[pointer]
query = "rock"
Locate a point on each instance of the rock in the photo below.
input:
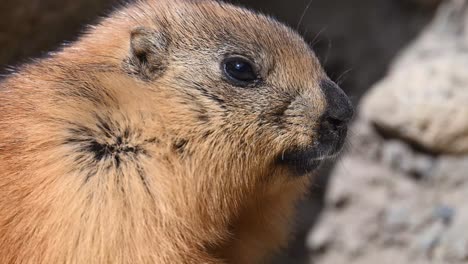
(449, 171)
(424, 97)
(423, 166)
(427, 242)
(383, 212)
(400, 157)
(366, 141)
(444, 213)
(397, 155)
(397, 218)
(454, 245)
(455, 248)
(322, 239)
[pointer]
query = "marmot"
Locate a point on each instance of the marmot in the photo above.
(172, 132)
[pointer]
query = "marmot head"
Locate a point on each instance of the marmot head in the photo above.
(238, 97)
(244, 85)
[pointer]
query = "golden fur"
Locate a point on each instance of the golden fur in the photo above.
(105, 160)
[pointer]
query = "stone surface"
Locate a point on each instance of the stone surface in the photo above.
(424, 97)
(373, 210)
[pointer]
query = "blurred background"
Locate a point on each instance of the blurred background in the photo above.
(397, 195)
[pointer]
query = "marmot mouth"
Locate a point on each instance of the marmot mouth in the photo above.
(304, 160)
(301, 161)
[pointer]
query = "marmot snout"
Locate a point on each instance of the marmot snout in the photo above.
(172, 132)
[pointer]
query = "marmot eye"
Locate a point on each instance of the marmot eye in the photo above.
(239, 71)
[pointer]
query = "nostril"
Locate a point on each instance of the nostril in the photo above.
(339, 117)
(335, 123)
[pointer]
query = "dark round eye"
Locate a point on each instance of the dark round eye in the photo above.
(239, 70)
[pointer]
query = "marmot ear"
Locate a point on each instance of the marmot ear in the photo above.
(148, 53)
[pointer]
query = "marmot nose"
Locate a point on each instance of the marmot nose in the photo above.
(334, 123)
(339, 110)
(338, 116)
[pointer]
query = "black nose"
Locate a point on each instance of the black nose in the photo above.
(333, 123)
(339, 108)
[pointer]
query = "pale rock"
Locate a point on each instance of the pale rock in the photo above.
(424, 98)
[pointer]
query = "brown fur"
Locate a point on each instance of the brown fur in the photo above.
(104, 160)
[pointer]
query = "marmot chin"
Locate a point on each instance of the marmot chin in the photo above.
(172, 132)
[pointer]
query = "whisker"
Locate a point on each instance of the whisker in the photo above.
(342, 76)
(315, 39)
(303, 14)
(328, 51)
